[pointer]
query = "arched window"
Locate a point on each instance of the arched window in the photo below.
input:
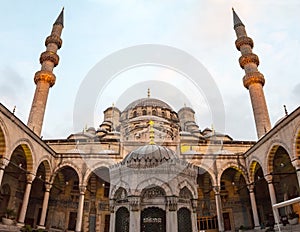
(154, 112)
(134, 113)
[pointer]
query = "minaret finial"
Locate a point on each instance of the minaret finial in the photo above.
(45, 78)
(151, 133)
(285, 110)
(253, 79)
(148, 93)
(60, 18)
(236, 20)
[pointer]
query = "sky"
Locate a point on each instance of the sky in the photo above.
(203, 29)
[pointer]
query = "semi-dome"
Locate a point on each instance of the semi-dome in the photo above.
(144, 102)
(149, 156)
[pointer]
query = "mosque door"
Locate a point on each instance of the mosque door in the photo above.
(122, 220)
(184, 220)
(153, 220)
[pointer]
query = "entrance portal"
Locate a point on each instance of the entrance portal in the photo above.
(153, 219)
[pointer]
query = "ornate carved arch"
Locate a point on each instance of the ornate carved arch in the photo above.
(190, 187)
(120, 184)
(151, 182)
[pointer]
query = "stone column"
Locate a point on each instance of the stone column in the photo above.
(30, 178)
(171, 214)
(272, 193)
(112, 215)
(296, 164)
(135, 213)
(82, 189)
(219, 208)
(253, 206)
(45, 206)
(194, 215)
(3, 163)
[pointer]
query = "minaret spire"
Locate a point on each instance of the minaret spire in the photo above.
(44, 79)
(60, 18)
(236, 20)
(253, 80)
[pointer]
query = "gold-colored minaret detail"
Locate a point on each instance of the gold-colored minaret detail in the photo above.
(44, 79)
(151, 133)
(253, 80)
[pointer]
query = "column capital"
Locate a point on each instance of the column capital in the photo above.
(216, 189)
(48, 187)
(296, 164)
(194, 204)
(30, 178)
(82, 189)
(250, 187)
(112, 205)
(134, 202)
(269, 178)
(3, 162)
(171, 202)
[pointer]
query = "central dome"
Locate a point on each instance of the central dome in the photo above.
(144, 102)
(149, 156)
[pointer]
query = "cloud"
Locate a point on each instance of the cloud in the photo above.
(296, 92)
(11, 83)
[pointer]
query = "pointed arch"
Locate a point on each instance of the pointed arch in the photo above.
(206, 169)
(154, 181)
(66, 165)
(271, 154)
(297, 144)
(27, 148)
(121, 193)
(3, 139)
(94, 167)
(48, 169)
(120, 184)
(254, 165)
(239, 169)
(189, 186)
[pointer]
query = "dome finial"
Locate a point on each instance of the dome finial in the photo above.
(151, 133)
(148, 93)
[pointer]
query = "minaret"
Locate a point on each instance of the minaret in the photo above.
(253, 80)
(44, 79)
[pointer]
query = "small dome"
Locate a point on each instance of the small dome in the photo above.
(143, 102)
(149, 156)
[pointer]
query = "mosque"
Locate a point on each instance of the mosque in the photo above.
(147, 167)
